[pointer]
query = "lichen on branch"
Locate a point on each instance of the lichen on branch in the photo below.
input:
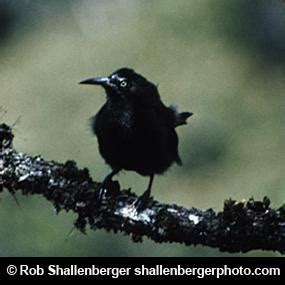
(240, 227)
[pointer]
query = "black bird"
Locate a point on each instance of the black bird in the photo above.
(135, 130)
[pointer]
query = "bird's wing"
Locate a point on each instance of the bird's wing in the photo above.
(168, 117)
(165, 114)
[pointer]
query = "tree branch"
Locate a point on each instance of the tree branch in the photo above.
(240, 227)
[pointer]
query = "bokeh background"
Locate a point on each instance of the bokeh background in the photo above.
(224, 60)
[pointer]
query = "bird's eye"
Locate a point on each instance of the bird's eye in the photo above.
(123, 83)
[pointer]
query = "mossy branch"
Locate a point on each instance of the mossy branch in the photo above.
(240, 227)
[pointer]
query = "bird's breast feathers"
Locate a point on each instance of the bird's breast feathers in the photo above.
(114, 119)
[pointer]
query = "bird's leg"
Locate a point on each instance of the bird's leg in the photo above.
(109, 177)
(142, 201)
(107, 180)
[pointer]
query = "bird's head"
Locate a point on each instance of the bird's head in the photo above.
(123, 83)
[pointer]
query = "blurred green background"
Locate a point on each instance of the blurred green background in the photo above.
(223, 60)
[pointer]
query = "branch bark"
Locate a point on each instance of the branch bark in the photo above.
(240, 227)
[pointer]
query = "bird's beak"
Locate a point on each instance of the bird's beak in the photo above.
(103, 81)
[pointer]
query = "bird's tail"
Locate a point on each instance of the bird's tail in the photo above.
(181, 118)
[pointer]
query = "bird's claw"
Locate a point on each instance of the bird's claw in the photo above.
(108, 187)
(142, 201)
(101, 193)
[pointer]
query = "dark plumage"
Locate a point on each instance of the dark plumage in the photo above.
(135, 130)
